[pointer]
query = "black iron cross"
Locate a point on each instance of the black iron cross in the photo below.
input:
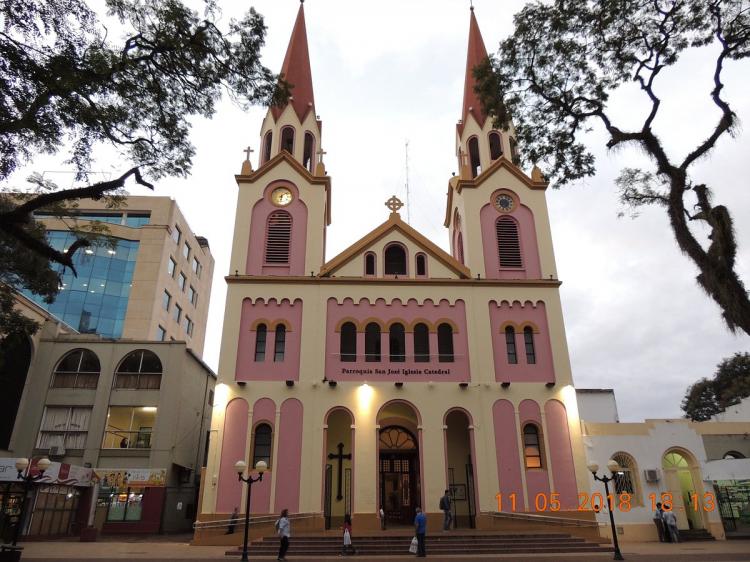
(340, 456)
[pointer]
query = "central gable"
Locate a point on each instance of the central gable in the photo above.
(395, 250)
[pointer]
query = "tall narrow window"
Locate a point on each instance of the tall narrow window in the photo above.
(307, 157)
(395, 260)
(421, 343)
(261, 331)
(279, 343)
(372, 342)
(397, 341)
(474, 157)
(510, 345)
(508, 243)
(370, 264)
(278, 237)
(287, 139)
(460, 249)
(532, 451)
(421, 265)
(445, 343)
(262, 441)
(496, 145)
(626, 477)
(267, 143)
(348, 343)
(528, 340)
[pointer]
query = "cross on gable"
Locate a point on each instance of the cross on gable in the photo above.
(320, 154)
(394, 204)
(247, 152)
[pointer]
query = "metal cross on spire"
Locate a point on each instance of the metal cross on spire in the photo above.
(320, 154)
(248, 151)
(394, 204)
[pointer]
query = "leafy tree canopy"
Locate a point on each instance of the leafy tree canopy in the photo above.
(554, 77)
(68, 83)
(730, 384)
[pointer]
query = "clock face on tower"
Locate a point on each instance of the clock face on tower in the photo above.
(504, 203)
(281, 196)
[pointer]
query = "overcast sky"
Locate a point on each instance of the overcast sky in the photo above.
(390, 71)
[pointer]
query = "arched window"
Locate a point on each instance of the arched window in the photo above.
(528, 340)
(262, 444)
(279, 344)
(370, 264)
(733, 455)
(532, 449)
(625, 478)
(348, 342)
(287, 139)
(139, 370)
(261, 332)
(307, 156)
(421, 265)
(397, 341)
(267, 143)
(278, 237)
(474, 157)
(78, 369)
(460, 250)
(372, 342)
(421, 343)
(445, 343)
(496, 145)
(510, 345)
(395, 260)
(508, 242)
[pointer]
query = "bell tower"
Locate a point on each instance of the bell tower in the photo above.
(283, 207)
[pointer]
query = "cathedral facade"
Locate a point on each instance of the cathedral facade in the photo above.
(395, 370)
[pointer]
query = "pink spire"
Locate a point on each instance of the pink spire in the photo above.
(296, 70)
(477, 53)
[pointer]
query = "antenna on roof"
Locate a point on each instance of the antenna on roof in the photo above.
(408, 203)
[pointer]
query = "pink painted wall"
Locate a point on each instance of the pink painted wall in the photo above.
(537, 479)
(229, 489)
(289, 456)
(257, 243)
(506, 451)
(247, 369)
(407, 313)
(521, 315)
(529, 249)
(561, 454)
(264, 410)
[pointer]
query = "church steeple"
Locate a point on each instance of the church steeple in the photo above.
(478, 144)
(294, 126)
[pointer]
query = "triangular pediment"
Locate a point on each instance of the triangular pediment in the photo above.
(395, 230)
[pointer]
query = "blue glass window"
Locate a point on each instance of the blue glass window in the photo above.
(136, 220)
(96, 301)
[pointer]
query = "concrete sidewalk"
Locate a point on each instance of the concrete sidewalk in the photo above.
(158, 550)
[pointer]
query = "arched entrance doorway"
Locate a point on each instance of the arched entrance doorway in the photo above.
(338, 475)
(399, 466)
(460, 467)
(683, 482)
(15, 358)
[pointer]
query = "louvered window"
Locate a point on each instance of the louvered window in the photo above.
(508, 244)
(278, 237)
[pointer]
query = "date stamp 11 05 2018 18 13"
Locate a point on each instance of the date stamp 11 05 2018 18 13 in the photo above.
(620, 502)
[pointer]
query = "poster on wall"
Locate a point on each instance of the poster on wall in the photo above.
(58, 473)
(120, 478)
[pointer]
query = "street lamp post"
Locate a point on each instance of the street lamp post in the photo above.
(613, 467)
(241, 467)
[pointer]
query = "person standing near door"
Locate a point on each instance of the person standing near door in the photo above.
(445, 507)
(670, 526)
(420, 528)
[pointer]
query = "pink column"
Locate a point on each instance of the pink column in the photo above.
(289, 458)
(264, 410)
(537, 479)
(561, 454)
(229, 492)
(506, 451)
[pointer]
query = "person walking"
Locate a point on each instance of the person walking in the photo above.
(233, 521)
(670, 524)
(348, 547)
(658, 518)
(445, 507)
(420, 528)
(283, 528)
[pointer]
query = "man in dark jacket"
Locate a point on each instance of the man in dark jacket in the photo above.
(445, 507)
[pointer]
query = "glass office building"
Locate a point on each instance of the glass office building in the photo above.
(94, 302)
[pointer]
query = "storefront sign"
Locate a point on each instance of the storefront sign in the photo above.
(57, 473)
(119, 478)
